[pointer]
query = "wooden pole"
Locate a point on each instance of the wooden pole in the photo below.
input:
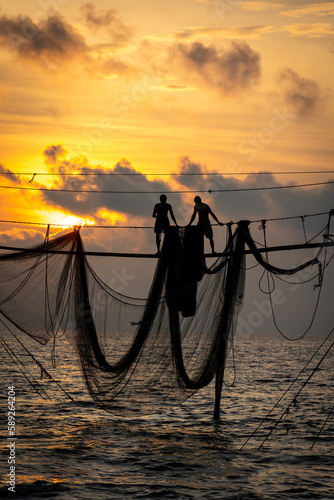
(303, 246)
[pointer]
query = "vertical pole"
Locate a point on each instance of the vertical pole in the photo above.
(230, 298)
(221, 352)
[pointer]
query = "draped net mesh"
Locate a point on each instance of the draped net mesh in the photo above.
(136, 355)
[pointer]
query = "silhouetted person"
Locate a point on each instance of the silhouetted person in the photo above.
(203, 210)
(162, 222)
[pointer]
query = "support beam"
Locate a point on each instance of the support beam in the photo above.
(303, 246)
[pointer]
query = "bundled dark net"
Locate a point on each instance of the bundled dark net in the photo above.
(136, 355)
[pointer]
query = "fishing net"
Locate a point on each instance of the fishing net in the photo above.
(136, 355)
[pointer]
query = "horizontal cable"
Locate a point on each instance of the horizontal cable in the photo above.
(84, 174)
(102, 191)
(65, 226)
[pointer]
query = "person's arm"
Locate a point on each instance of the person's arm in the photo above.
(154, 211)
(192, 217)
(214, 217)
(172, 215)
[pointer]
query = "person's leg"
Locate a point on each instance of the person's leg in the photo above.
(209, 234)
(158, 240)
(212, 245)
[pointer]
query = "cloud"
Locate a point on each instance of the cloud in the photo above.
(9, 175)
(261, 6)
(302, 94)
(52, 43)
(253, 204)
(52, 39)
(229, 71)
(21, 237)
(314, 9)
(233, 32)
(53, 153)
(187, 166)
(226, 6)
(227, 205)
(107, 20)
(136, 208)
(312, 30)
(139, 204)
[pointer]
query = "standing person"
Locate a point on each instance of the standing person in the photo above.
(162, 222)
(203, 210)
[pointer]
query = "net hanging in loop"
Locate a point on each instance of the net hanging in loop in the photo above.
(136, 355)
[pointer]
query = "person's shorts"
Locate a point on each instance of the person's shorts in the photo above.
(207, 230)
(161, 225)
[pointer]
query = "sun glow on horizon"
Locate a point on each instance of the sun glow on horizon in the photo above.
(73, 220)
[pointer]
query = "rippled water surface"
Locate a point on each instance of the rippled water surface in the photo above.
(67, 449)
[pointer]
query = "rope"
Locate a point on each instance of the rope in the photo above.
(103, 191)
(322, 427)
(87, 174)
(304, 230)
(151, 227)
(294, 399)
(321, 267)
(34, 384)
(313, 315)
(265, 271)
(319, 285)
(287, 390)
(43, 370)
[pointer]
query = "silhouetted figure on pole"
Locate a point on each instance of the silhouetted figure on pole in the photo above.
(162, 222)
(203, 210)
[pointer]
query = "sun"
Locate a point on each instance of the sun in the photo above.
(72, 220)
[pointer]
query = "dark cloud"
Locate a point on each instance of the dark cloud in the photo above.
(46, 40)
(111, 66)
(230, 70)
(89, 204)
(187, 166)
(53, 42)
(52, 153)
(302, 94)
(9, 175)
(218, 191)
(250, 203)
(21, 237)
(119, 33)
(227, 205)
(3, 169)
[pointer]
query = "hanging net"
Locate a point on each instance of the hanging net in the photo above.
(136, 355)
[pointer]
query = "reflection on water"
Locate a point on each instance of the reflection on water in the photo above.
(75, 450)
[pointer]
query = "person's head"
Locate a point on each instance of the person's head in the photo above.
(163, 198)
(197, 200)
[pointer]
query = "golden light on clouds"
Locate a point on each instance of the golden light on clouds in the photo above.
(261, 6)
(313, 9)
(111, 218)
(312, 30)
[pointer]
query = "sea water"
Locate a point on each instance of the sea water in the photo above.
(68, 449)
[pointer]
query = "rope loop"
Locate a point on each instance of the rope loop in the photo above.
(321, 274)
(303, 223)
(263, 225)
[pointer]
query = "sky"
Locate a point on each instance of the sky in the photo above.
(156, 88)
